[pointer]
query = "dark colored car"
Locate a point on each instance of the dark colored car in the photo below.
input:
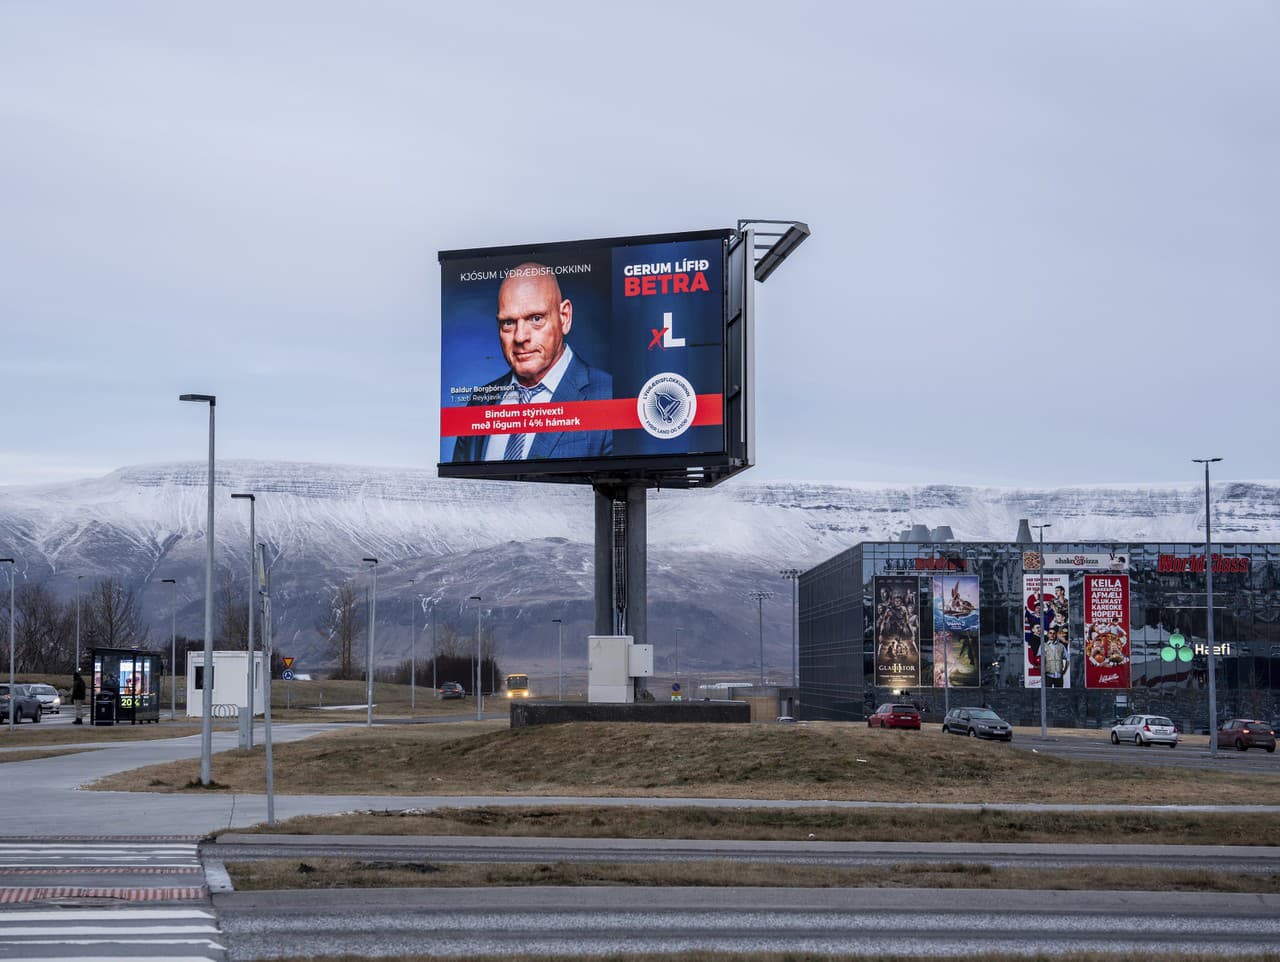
(451, 689)
(895, 716)
(1245, 733)
(977, 723)
(25, 704)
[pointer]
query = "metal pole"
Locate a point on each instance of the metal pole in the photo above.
(759, 597)
(77, 664)
(13, 692)
(206, 701)
(173, 646)
(373, 623)
(946, 653)
(479, 697)
(434, 685)
(264, 592)
(677, 666)
(413, 644)
(1044, 636)
(793, 575)
(559, 623)
(253, 590)
(1208, 600)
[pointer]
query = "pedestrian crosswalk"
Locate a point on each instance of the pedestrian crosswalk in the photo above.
(79, 898)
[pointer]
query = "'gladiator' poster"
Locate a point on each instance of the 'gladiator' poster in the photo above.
(1106, 631)
(1046, 638)
(955, 631)
(897, 603)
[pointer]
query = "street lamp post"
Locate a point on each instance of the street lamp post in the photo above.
(422, 600)
(253, 589)
(759, 596)
(479, 696)
(13, 692)
(373, 623)
(413, 651)
(559, 623)
(173, 646)
(677, 665)
(206, 701)
(1044, 634)
(793, 575)
(1208, 601)
(78, 580)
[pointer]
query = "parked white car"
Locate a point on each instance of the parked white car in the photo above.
(1145, 730)
(50, 700)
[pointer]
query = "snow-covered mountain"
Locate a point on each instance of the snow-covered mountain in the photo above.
(527, 549)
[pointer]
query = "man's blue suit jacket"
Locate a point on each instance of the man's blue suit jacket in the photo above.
(581, 382)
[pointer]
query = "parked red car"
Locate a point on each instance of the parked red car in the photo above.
(1245, 733)
(895, 716)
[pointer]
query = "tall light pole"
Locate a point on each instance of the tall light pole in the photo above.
(173, 646)
(13, 692)
(413, 649)
(758, 596)
(1044, 635)
(793, 575)
(206, 700)
(253, 591)
(677, 665)
(559, 623)
(78, 580)
(373, 622)
(1208, 602)
(422, 600)
(479, 697)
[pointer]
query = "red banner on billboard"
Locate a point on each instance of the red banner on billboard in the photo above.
(1106, 631)
(618, 414)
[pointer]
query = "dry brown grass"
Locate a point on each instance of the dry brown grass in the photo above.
(800, 824)
(34, 753)
(331, 873)
(822, 761)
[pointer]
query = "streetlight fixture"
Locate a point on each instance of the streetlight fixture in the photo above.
(413, 650)
(253, 588)
(1208, 602)
(759, 596)
(677, 665)
(13, 692)
(1044, 634)
(206, 700)
(479, 695)
(793, 575)
(373, 622)
(173, 646)
(422, 600)
(559, 623)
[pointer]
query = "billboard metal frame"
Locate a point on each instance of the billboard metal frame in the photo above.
(666, 470)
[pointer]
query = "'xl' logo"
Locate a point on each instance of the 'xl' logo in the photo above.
(662, 336)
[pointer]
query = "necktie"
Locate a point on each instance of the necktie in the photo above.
(517, 443)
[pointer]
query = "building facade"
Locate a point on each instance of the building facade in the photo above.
(1122, 628)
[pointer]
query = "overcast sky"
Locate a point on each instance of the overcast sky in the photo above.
(1045, 245)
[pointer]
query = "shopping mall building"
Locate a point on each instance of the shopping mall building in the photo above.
(1122, 628)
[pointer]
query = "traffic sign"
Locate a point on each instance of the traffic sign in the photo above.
(287, 674)
(288, 661)
(676, 686)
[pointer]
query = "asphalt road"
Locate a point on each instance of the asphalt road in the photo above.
(574, 921)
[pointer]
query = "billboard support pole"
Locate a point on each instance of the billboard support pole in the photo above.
(604, 562)
(637, 570)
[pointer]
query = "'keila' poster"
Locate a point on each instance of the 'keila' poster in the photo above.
(1106, 631)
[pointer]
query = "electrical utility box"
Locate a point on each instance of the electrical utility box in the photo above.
(230, 683)
(614, 662)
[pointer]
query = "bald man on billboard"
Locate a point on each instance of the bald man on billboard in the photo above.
(534, 318)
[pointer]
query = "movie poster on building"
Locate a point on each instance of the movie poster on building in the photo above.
(1046, 639)
(897, 631)
(955, 631)
(1106, 631)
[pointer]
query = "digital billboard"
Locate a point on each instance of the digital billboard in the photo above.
(1106, 631)
(565, 361)
(956, 623)
(897, 638)
(1046, 637)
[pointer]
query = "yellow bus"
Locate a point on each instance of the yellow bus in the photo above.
(518, 686)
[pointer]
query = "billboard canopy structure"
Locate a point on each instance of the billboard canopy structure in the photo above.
(613, 361)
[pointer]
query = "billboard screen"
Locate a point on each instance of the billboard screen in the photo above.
(897, 658)
(564, 359)
(956, 623)
(1106, 631)
(1046, 640)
